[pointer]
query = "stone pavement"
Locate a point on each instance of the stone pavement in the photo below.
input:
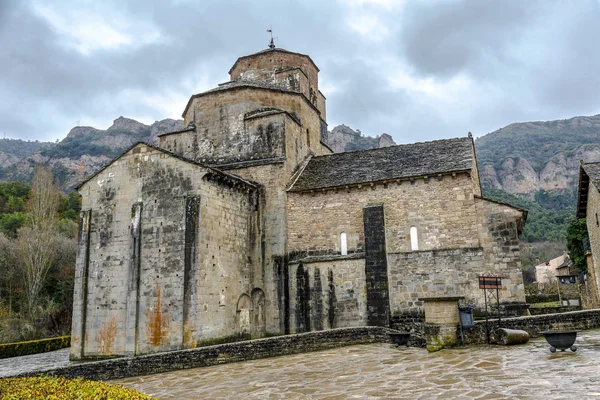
(381, 371)
(34, 362)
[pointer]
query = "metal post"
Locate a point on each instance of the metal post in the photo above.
(487, 325)
(498, 301)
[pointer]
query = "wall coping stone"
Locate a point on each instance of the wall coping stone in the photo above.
(439, 251)
(441, 298)
(328, 257)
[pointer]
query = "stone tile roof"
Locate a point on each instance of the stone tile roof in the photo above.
(394, 162)
(593, 171)
(240, 83)
(248, 83)
(212, 169)
(588, 172)
(275, 50)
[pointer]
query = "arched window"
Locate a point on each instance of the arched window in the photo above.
(344, 243)
(414, 239)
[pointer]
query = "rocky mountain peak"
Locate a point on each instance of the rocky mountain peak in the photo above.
(386, 140)
(343, 138)
(127, 124)
(81, 131)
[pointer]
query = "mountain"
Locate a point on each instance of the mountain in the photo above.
(535, 165)
(12, 150)
(523, 158)
(84, 150)
(343, 138)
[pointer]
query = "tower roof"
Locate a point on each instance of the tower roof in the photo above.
(277, 50)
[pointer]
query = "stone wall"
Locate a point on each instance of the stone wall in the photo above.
(499, 228)
(157, 266)
(221, 132)
(327, 294)
(220, 354)
(437, 273)
(442, 211)
(593, 260)
(276, 66)
(535, 324)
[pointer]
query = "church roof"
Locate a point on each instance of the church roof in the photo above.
(240, 84)
(394, 162)
(180, 157)
(588, 172)
(276, 49)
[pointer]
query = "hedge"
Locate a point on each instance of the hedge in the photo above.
(541, 298)
(34, 346)
(59, 388)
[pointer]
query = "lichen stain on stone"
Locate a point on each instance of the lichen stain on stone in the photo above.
(156, 324)
(107, 335)
(188, 340)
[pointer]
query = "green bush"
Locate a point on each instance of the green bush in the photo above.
(45, 387)
(34, 346)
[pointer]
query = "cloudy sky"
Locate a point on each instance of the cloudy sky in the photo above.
(418, 70)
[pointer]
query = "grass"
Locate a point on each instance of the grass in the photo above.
(546, 304)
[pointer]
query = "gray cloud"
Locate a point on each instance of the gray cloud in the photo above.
(488, 63)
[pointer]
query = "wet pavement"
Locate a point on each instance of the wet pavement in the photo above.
(34, 362)
(382, 371)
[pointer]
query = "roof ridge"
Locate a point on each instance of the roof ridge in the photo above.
(393, 146)
(170, 153)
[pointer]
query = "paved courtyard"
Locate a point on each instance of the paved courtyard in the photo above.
(381, 371)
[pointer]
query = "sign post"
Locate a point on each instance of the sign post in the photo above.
(491, 286)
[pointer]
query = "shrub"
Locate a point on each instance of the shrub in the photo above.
(59, 388)
(34, 346)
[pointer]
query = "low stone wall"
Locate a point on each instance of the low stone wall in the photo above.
(535, 324)
(220, 354)
(552, 310)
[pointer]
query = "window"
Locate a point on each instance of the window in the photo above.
(414, 239)
(344, 243)
(308, 137)
(597, 222)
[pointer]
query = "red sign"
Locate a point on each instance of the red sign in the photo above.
(490, 282)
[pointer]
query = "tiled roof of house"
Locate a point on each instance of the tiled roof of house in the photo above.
(394, 162)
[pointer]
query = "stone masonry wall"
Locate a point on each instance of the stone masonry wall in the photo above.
(219, 120)
(327, 294)
(145, 291)
(435, 273)
(593, 227)
(271, 65)
(499, 234)
(442, 211)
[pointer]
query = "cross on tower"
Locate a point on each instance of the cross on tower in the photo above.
(272, 42)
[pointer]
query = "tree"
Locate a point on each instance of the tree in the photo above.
(37, 241)
(576, 234)
(8, 277)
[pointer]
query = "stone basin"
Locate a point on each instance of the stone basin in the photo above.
(561, 340)
(399, 338)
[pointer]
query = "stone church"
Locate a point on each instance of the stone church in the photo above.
(246, 224)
